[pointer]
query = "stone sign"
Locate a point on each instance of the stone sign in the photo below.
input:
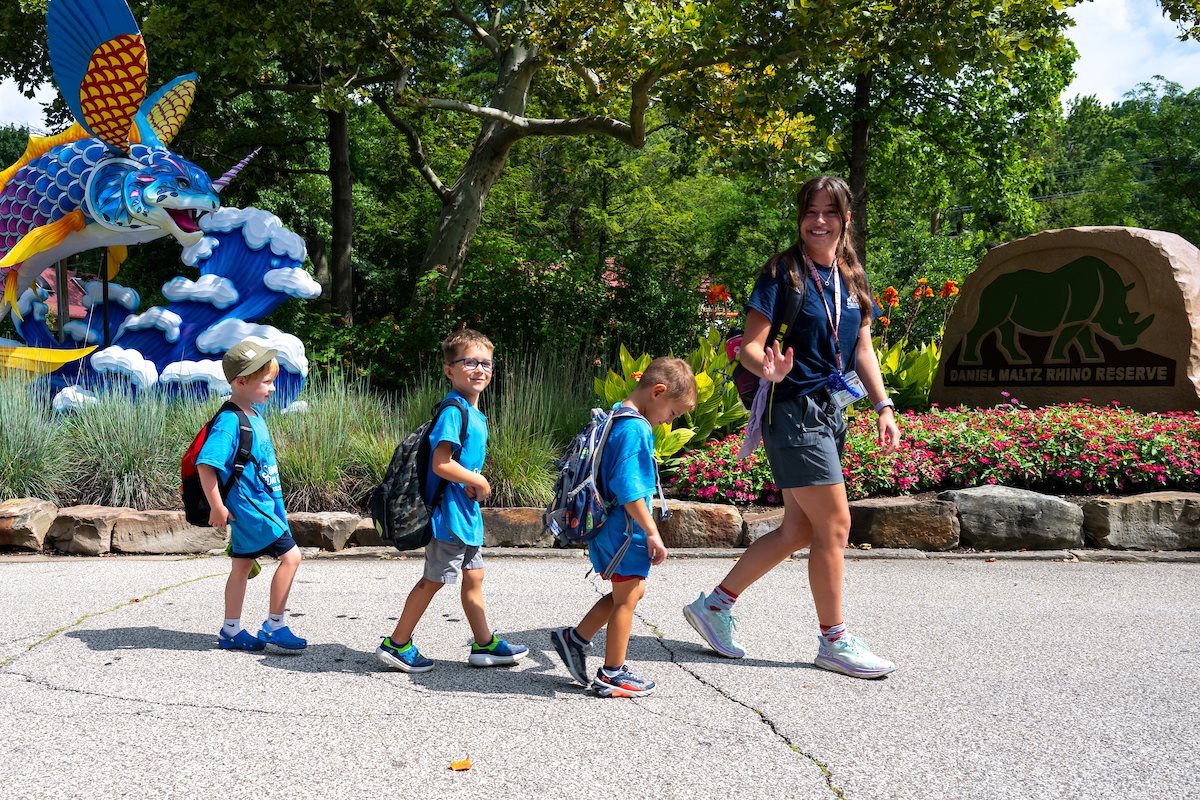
(1101, 313)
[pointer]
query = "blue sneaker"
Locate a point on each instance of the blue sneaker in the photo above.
(407, 658)
(243, 641)
(282, 637)
(715, 627)
(850, 655)
(496, 653)
(624, 684)
(573, 654)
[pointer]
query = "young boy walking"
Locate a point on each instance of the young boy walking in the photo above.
(628, 543)
(457, 542)
(254, 506)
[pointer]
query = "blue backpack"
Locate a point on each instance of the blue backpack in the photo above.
(578, 509)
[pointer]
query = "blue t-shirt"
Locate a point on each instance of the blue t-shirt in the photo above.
(627, 473)
(256, 500)
(811, 337)
(457, 516)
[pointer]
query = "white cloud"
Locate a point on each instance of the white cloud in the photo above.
(17, 109)
(1123, 43)
(185, 372)
(72, 398)
(157, 317)
(293, 281)
(129, 363)
(206, 289)
(259, 228)
(94, 295)
(228, 332)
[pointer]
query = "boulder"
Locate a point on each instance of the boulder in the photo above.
(515, 527)
(757, 524)
(163, 532)
(904, 522)
(1154, 521)
(24, 522)
(1003, 518)
(699, 524)
(365, 534)
(327, 530)
(84, 530)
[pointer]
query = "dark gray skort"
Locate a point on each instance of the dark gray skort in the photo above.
(804, 437)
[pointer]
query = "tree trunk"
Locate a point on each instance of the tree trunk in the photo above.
(462, 209)
(340, 266)
(860, 133)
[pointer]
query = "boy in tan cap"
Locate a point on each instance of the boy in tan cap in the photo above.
(253, 505)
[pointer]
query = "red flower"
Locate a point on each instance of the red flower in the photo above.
(884, 321)
(891, 297)
(717, 293)
(949, 289)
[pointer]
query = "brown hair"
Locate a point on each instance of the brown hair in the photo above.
(460, 340)
(674, 373)
(849, 267)
(271, 367)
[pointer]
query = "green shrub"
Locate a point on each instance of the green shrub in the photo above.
(32, 464)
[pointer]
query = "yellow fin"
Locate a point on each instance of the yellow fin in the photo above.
(39, 360)
(117, 253)
(40, 145)
(10, 293)
(44, 237)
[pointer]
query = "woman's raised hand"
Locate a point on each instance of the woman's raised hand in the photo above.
(776, 365)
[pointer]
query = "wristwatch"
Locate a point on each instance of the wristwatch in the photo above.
(884, 403)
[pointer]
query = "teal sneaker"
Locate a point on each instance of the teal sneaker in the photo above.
(496, 653)
(715, 627)
(850, 655)
(406, 658)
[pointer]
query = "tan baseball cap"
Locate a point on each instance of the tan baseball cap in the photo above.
(245, 358)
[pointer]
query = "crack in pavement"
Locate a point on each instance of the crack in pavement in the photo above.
(52, 634)
(762, 717)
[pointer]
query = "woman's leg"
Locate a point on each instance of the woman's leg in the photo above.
(767, 552)
(829, 512)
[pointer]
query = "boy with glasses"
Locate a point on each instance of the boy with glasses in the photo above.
(457, 541)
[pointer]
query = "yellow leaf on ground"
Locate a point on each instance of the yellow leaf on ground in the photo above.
(461, 764)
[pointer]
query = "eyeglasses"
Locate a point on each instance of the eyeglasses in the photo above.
(485, 364)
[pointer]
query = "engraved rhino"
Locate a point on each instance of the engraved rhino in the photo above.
(1073, 302)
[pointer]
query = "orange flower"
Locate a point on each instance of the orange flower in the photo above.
(949, 289)
(637, 376)
(885, 322)
(922, 281)
(717, 293)
(918, 293)
(891, 297)
(928, 292)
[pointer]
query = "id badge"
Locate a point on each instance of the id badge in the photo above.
(846, 390)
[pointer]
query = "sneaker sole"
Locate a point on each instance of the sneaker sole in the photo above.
(392, 661)
(700, 628)
(604, 690)
(837, 666)
(288, 648)
(489, 660)
(236, 648)
(561, 647)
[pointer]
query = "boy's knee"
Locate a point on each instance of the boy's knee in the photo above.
(426, 585)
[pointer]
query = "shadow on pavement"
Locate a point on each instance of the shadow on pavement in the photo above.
(147, 638)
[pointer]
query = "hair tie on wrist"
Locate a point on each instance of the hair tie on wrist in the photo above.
(886, 402)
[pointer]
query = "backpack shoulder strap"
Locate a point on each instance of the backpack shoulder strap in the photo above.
(786, 312)
(625, 412)
(438, 493)
(241, 456)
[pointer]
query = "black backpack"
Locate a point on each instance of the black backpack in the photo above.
(195, 504)
(781, 323)
(398, 507)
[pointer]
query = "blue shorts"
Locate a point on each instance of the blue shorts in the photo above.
(634, 563)
(275, 549)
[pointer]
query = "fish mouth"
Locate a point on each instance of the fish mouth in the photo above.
(186, 219)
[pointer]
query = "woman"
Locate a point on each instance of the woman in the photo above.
(807, 381)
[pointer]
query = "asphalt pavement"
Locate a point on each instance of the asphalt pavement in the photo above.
(1018, 679)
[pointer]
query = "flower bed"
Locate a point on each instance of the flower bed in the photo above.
(1066, 449)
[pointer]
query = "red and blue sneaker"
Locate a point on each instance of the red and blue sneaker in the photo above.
(624, 684)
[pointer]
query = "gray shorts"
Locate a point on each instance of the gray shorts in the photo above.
(444, 560)
(804, 437)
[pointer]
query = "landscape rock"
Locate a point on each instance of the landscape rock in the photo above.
(515, 527)
(1154, 521)
(365, 534)
(699, 524)
(757, 524)
(904, 522)
(25, 521)
(327, 530)
(1004, 518)
(84, 530)
(163, 532)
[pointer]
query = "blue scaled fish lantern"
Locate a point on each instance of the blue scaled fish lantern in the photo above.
(111, 181)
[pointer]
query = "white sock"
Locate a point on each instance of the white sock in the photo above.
(275, 622)
(232, 627)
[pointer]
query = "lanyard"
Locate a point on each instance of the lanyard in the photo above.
(835, 319)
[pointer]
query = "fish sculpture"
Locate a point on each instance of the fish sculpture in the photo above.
(109, 180)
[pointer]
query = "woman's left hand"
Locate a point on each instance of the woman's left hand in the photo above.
(889, 433)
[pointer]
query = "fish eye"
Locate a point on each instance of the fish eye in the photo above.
(184, 183)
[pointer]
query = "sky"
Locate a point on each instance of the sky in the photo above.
(1121, 43)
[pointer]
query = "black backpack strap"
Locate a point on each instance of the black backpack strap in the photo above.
(440, 491)
(241, 456)
(786, 312)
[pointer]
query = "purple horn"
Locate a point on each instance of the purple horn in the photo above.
(223, 181)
